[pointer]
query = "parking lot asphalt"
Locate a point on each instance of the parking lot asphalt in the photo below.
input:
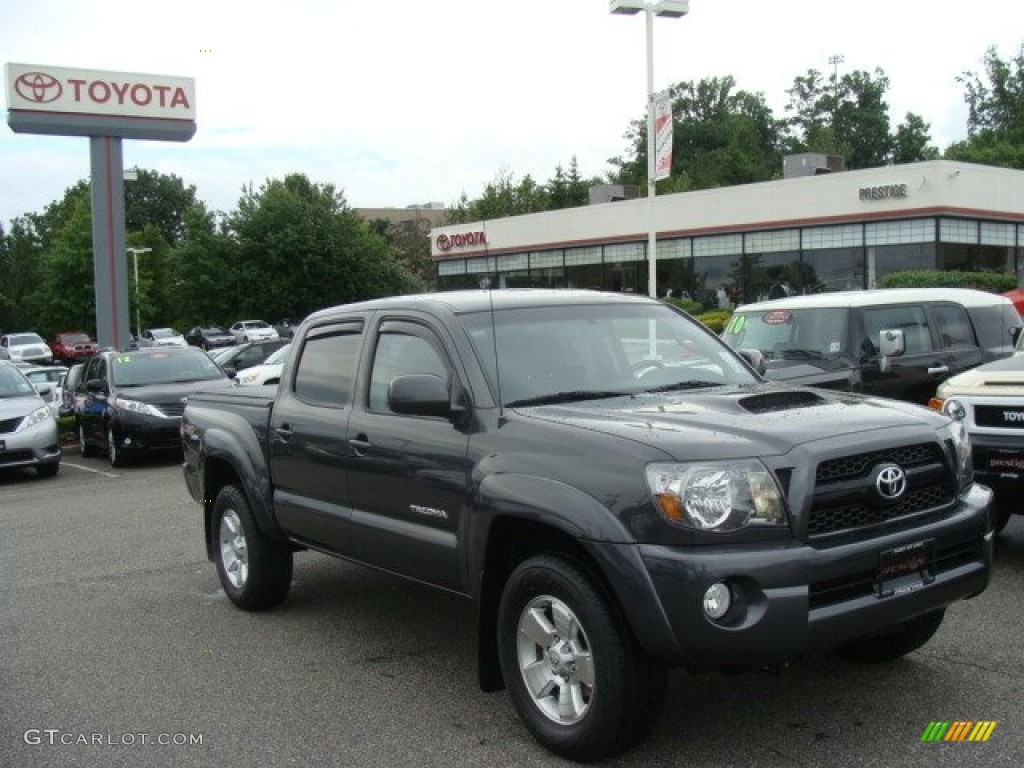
(115, 637)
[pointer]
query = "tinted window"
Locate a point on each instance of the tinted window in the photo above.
(954, 326)
(163, 368)
(910, 319)
(326, 369)
(400, 354)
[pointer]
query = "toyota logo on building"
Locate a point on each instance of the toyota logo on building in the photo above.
(38, 87)
(890, 482)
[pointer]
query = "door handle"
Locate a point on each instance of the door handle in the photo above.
(938, 370)
(284, 432)
(360, 444)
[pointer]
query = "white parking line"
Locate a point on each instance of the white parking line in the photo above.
(88, 469)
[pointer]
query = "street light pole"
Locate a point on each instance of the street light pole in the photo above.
(671, 9)
(138, 302)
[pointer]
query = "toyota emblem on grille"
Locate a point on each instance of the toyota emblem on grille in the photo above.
(890, 482)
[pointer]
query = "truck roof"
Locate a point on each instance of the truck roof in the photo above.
(966, 297)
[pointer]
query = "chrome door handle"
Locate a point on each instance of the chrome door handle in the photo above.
(938, 370)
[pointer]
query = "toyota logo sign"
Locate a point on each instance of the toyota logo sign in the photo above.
(38, 87)
(460, 240)
(890, 482)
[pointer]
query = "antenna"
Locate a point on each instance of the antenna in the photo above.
(497, 367)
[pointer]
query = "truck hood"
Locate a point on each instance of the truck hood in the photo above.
(830, 372)
(1002, 378)
(734, 422)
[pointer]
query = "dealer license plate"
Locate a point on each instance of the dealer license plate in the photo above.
(905, 569)
(1005, 461)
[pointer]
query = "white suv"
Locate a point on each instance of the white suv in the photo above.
(990, 399)
(27, 348)
(252, 330)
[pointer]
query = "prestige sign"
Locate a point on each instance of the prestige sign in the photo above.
(45, 99)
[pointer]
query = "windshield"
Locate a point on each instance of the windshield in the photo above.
(163, 333)
(74, 338)
(12, 383)
(162, 368)
(213, 330)
(19, 339)
(790, 333)
(279, 356)
(579, 352)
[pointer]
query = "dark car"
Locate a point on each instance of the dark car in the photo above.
(72, 347)
(209, 337)
(130, 401)
(244, 356)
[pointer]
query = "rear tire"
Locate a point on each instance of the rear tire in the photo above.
(255, 570)
(896, 641)
(581, 684)
(115, 454)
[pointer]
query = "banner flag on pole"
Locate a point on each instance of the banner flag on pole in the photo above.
(663, 135)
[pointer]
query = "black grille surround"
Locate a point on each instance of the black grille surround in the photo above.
(846, 502)
(9, 425)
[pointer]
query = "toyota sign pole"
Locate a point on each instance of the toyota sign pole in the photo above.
(673, 9)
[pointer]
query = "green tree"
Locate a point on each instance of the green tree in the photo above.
(912, 142)
(567, 189)
(21, 256)
(502, 197)
(157, 200)
(995, 121)
(64, 298)
(721, 136)
(300, 248)
(204, 275)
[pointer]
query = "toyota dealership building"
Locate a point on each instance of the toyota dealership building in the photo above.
(826, 232)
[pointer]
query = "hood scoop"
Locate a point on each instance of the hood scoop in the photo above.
(780, 401)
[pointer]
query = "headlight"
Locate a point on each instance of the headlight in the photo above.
(962, 449)
(136, 407)
(38, 416)
(717, 497)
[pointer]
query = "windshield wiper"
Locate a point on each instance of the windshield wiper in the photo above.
(681, 385)
(799, 354)
(573, 396)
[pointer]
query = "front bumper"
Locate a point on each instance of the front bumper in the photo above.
(792, 599)
(39, 444)
(140, 433)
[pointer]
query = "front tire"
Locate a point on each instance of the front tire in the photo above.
(581, 684)
(895, 641)
(255, 571)
(83, 444)
(115, 454)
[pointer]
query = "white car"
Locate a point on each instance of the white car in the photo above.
(28, 431)
(49, 383)
(162, 337)
(252, 330)
(267, 373)
(27, 348)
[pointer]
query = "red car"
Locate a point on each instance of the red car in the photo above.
(72, 347)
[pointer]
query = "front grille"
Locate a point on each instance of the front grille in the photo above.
(846, 501)
(1002, 416)
(9, 425)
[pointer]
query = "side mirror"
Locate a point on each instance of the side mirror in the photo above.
(891, 343)
(1015, 333)
(755, 358)
(95, 386)
(419, 394)
(231, 371)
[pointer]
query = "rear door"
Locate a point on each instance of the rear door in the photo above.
(409, 474)
(309, 452)
(956, 338)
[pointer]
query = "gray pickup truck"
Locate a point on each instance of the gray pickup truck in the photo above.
(615, 488)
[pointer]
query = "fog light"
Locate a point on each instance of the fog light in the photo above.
(717, 600)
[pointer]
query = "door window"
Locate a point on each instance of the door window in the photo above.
(401, 354)
(911, 319)
(325, 372)
(954, 326)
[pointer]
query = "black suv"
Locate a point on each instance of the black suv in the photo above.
(130, 401)
(899, 343)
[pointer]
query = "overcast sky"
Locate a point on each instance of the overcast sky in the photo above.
(403, 102)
